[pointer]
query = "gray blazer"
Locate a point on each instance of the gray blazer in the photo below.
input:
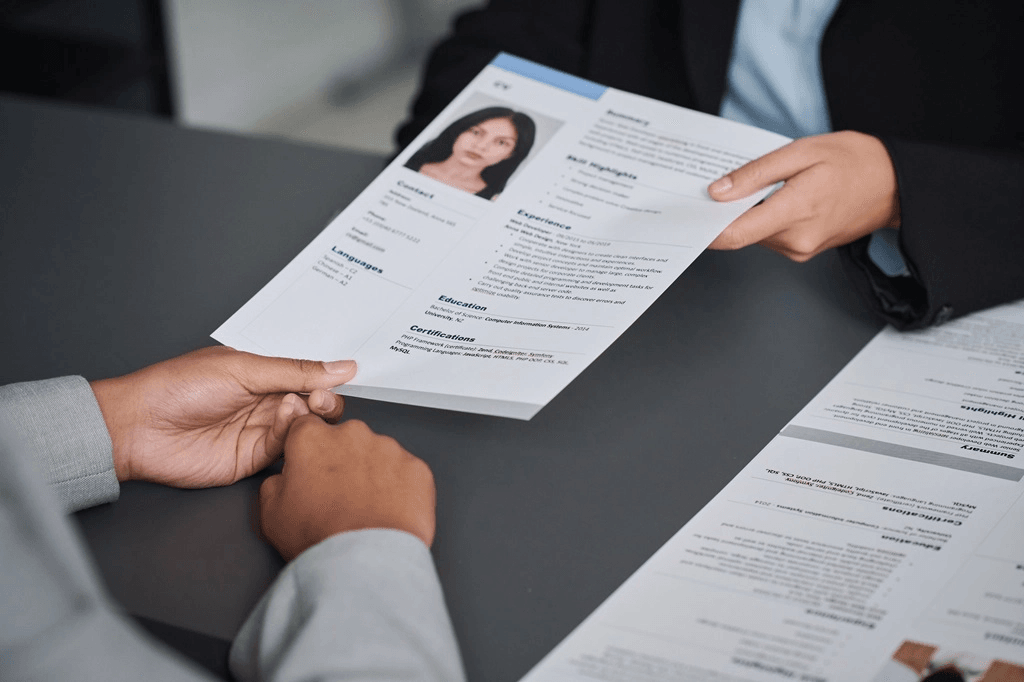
(358, 606)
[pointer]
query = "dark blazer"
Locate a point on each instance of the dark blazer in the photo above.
(939, 82)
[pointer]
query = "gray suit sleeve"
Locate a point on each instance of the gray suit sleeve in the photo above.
(61, 422)
(56, 621)
(364, 605)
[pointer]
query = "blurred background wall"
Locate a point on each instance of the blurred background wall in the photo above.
(336, 72)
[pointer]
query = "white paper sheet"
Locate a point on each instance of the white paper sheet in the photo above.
(880, 536)
(450, 300)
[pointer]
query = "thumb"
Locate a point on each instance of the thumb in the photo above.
(260, 374)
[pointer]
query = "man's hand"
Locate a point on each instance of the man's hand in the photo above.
(342, 478)
(838, 188)
(213, 416)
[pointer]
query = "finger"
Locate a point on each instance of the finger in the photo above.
(760, 223)
(266, 499)
(269, 490)
(326, 404)
(303, 429)
(260, 374)
(291, 408)
(776, 166)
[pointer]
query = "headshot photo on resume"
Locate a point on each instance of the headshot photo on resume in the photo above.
(478, 152)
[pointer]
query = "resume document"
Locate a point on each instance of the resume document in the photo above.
(493, 301)
(879, 536)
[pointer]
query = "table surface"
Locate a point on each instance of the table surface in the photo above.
(128, 240)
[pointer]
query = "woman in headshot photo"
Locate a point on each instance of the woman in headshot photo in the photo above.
(479, 152)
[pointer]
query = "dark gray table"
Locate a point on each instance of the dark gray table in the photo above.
(126, 241)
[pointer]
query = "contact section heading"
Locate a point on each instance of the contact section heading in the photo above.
(545, 74)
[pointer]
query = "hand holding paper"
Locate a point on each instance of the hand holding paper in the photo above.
(213, 416)
(838, 188)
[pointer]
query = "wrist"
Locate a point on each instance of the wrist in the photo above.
(887, 169)
(116, 405)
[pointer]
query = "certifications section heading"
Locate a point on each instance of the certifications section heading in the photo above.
(544, 74)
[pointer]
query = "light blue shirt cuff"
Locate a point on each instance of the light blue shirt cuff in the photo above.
(884, 251)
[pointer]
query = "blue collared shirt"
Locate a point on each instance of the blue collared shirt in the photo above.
(774, 77)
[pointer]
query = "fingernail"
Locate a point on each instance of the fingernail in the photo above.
(721, 185)
(340, 367)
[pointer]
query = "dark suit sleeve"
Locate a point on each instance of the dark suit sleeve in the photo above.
(962, 234)
(551, 33)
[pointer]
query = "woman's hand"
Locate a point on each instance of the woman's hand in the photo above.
(213, 416)
(837, 188)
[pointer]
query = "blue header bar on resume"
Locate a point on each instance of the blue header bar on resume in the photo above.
(545, 74)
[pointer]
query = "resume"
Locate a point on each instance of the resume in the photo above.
(514, 240)
(877, 537)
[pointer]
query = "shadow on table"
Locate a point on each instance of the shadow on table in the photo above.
(209, 652)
